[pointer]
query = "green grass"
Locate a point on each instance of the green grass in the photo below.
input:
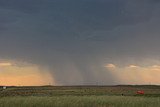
(80, 96)
(80, 101)
(150, 91)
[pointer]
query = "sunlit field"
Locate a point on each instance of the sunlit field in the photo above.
(80, 96)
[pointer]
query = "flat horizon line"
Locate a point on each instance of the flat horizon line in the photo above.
(78, 85)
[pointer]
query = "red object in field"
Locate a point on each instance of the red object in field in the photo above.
(140, 92)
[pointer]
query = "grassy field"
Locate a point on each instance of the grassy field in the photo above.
(80, 96)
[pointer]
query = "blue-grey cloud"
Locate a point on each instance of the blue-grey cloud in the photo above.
(75, 38)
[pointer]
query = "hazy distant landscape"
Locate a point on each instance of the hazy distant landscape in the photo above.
(80, 96)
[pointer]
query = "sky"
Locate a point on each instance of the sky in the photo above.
(79, 42)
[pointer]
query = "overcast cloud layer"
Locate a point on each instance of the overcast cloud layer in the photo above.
(76, 39)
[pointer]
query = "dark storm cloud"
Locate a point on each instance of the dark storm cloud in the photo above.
(75, 38)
